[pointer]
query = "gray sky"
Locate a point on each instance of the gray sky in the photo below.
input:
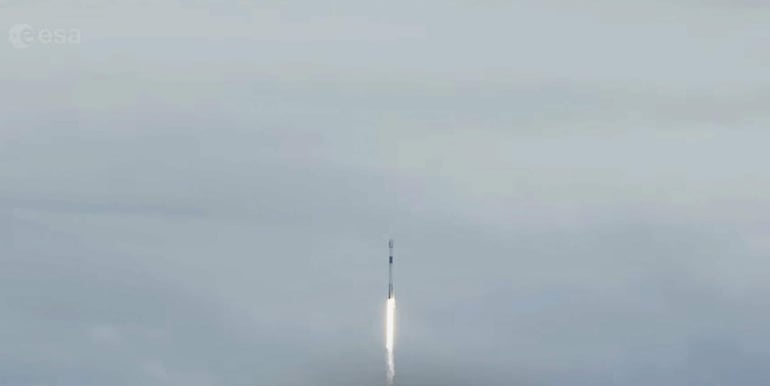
(200, 193)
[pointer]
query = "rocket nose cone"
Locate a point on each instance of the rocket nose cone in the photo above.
(390, 243)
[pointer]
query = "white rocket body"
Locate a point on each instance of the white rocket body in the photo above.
(391, 293)
(390, 320)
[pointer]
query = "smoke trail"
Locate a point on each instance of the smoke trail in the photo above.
(390, 330)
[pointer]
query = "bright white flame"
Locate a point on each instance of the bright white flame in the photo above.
(390, 325)
(390, 332)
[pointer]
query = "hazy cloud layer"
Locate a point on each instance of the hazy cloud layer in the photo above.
(200, 193)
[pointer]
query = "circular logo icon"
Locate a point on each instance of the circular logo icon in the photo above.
(20, 35)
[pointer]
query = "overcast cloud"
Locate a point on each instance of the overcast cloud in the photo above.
(200, 193)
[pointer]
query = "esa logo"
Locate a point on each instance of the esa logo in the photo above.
(23, 36)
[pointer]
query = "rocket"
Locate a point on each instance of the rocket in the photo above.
(390, 319)
(391, 294)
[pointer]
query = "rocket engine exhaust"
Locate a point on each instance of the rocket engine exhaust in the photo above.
(390, 320)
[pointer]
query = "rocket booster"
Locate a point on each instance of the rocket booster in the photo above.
(391, 294)
(390, 319)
